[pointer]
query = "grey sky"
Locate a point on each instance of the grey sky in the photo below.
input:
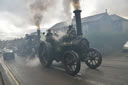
(15, 18)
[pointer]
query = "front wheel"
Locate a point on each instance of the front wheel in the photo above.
(44, 54)
(72, 62)
(94, 58)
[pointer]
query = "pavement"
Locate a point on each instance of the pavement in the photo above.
(113, 71)
(5, 79)
(1, 79)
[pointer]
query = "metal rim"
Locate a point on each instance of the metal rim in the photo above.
(94, 59)
(72, 63)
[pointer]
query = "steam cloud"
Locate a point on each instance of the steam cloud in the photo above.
(32, 62)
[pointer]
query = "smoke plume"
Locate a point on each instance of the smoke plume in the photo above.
(76, 4)
(67, 5)
(37, 9)
(67, 11)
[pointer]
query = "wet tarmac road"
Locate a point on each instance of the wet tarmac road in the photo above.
(113, 71)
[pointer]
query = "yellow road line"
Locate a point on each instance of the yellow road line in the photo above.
(11, 74)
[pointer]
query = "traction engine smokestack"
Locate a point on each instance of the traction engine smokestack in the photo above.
(38, 33)
(78, 22)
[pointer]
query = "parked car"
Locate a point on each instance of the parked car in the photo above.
(8, 54)
(125, 47)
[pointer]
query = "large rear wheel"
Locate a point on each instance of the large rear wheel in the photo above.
(44, 54)
(94, 58)
(72, 62)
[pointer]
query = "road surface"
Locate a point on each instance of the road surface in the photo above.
(113, 71)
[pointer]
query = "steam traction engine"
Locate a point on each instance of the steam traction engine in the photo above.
(71, 50)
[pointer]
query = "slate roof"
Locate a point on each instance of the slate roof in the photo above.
(94, 17)
(116, 17)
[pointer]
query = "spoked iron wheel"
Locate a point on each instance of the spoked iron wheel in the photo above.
(72, 63)
(44, 57)
(94, 58)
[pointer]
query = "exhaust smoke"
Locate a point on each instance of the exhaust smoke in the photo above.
(37, 9)
(67, 9)
(76, 4)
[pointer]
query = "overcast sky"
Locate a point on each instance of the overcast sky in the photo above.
(15, 18)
